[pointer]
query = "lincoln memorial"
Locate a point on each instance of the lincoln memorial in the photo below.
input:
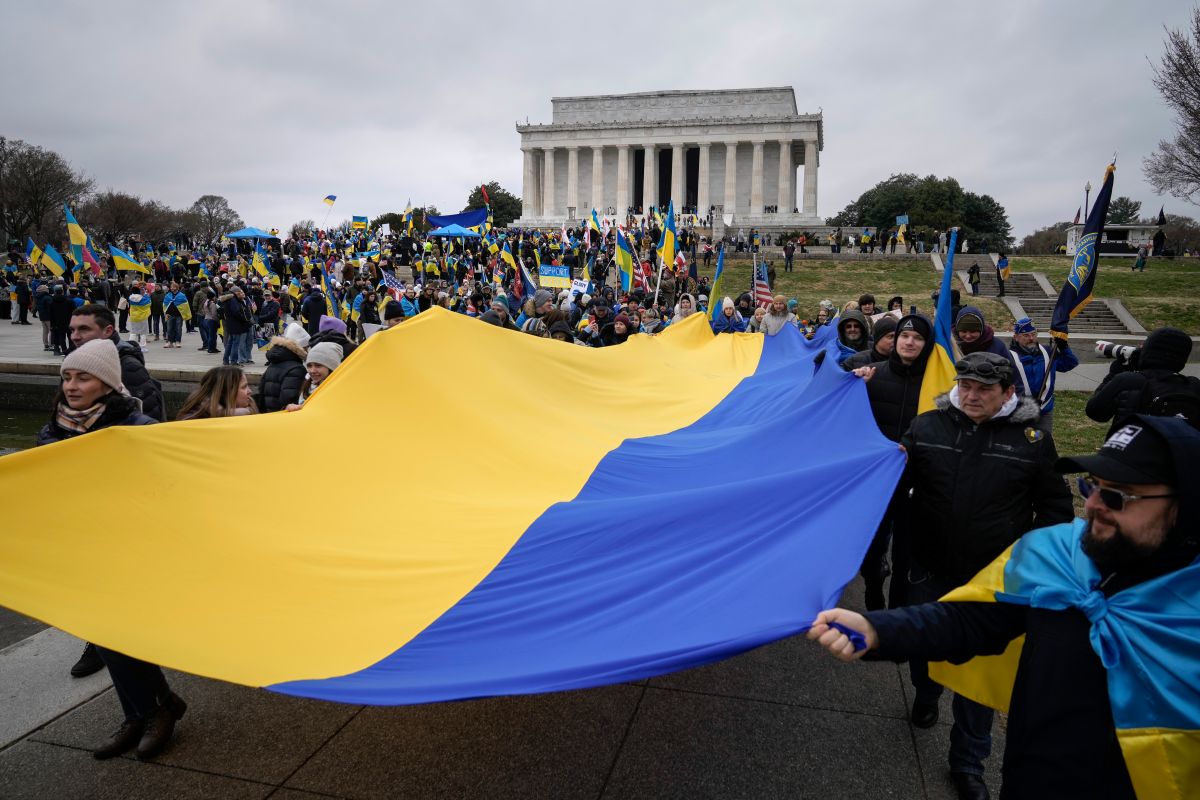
(734, 151)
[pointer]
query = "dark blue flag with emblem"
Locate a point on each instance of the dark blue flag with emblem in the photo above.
(1077, 289)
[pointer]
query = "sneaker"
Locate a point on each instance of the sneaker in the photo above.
(125, 737)
(89, 663)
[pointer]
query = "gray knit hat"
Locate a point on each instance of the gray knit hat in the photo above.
(327, 354)
(98, 357)
(541, 297)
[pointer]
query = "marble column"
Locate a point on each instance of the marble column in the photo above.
(549, 208)
(598, 179)
(527, 181)
(756, 180)
(624, 201)
(677, 176)
(787, 174)
(702, 201)
(810, 177)
(731, 177)
(650, 179)
(572, 181)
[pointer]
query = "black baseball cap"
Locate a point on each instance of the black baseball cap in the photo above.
(1136, 453)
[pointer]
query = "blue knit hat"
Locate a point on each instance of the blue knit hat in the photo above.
(1024, 325)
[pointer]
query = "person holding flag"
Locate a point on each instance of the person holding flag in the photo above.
(1101, 693)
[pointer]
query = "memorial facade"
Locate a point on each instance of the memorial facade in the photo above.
(733, 152)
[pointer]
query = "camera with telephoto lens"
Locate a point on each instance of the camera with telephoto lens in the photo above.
(1121, 352)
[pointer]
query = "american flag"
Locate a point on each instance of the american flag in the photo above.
(762, 289)
(640, 274)
(394, 287)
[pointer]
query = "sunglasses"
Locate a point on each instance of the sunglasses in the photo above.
(1114, 499)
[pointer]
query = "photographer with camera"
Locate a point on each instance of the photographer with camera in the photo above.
(1147, 380)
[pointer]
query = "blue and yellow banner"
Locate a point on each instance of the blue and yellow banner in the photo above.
(939, 370)
(1077, 288)
(595, 572)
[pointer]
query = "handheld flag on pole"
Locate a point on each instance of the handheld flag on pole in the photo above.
(1162, 218)
(483, 191)
(1077, 288)
(329, 199)
(33, 253)
(1078, 213)
(124, 261)
(77, 236)
(507, 256)
(939, 370)
(53, 261)
(666, 242)
(594, 222)
(718, 287)
(624, 261)
(408, 216)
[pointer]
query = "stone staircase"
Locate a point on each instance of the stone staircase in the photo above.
(1097, 319)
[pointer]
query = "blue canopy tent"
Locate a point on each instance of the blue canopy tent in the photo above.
(251, 233)
(468, 219)
(455, 230)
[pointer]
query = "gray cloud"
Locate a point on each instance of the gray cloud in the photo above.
(276, 104)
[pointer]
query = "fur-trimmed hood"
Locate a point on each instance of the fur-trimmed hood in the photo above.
(1026, 412)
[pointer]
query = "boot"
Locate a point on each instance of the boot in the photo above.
(969, 787)
(89, 662)
(160, 726)
(125, 737)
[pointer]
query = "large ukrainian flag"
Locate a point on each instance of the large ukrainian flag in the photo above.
(643, 547)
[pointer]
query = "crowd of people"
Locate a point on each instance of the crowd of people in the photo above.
(982, 469)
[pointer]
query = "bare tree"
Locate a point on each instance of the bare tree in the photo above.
(114, 216)
(1175, 167)
(213, 217)
(34, 184)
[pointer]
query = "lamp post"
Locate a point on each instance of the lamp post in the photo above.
(1087, 191)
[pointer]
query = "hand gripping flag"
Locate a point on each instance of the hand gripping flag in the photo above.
(939, 369)
(594, 573)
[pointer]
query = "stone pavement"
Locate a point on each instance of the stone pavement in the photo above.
(785, 720)
(21, 347)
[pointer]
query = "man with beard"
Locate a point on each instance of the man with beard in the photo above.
(1108, 608)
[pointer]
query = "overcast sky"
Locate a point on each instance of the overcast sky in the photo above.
(274, 105)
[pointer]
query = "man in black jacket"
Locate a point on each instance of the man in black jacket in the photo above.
(894, 389)
(1142, 522)
(981, 474)
(1132, 385)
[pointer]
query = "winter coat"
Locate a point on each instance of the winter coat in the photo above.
(61, 309)
(281, 380)
(1128, 389)
(772, 323)
(121, 410)
(43, 303)
(1033, 366)
(137, 379)
(311, 310)
(978, 488)
(894, 392)
(864, 359)
(235, 314)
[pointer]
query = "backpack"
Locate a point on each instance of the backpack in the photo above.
(1172, 396)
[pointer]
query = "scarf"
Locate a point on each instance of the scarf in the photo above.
(82, 421)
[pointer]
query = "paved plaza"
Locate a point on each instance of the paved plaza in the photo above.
(786, 720)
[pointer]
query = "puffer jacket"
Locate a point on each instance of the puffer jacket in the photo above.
(138, 382)
(1128, 388)
(978, 488)
(121, 410)
(281, 380)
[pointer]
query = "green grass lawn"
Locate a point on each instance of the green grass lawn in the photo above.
(1074, 433)
(839, 281)
(1162, 295)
